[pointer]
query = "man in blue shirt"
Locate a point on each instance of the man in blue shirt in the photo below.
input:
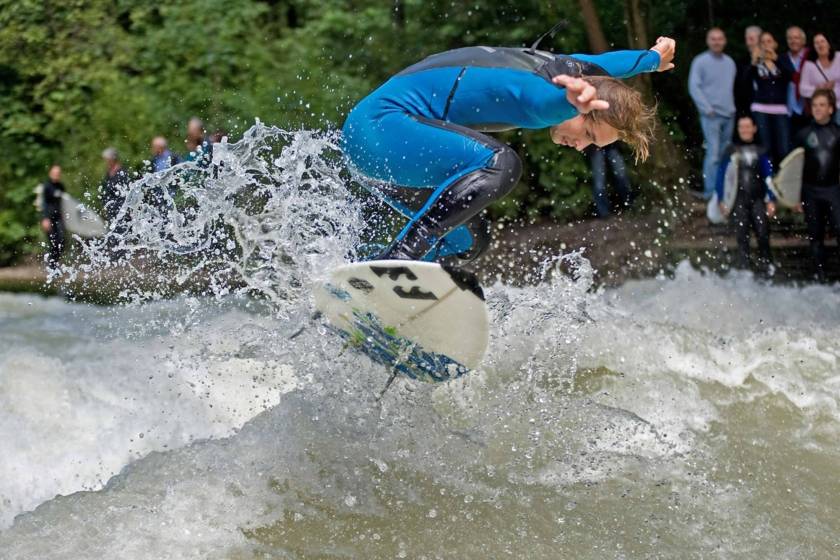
(711, 82)
(421, 133)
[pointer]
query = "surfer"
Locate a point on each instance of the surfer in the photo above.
(821, 174)
(754, 204)
(422, 132)
(52, 221)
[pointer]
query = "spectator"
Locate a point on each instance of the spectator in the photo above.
(52, 220)
(598, 159)
(218, 136)
(743, 80)
(821, 174)
(754, 204)
(793, 60)
(199, 146)
(162, 157)
(113, 185)
(710, 83)
(822, 70)
(769, 107)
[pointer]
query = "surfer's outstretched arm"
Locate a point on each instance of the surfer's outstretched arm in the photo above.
(625, 64)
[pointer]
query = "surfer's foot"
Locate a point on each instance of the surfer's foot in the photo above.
(412, 247)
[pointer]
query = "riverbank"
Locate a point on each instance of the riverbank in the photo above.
(630, 246)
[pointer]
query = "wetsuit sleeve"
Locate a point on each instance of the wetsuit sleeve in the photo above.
(765, 169)
(721, 175)
(548, 106)
(623, 64)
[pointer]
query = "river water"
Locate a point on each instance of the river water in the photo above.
(694, 416)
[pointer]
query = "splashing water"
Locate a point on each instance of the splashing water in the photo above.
(666, 418)
(264, 217)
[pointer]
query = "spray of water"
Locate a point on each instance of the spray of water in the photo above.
(263, 217)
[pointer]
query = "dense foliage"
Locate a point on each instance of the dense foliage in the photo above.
(79, 75)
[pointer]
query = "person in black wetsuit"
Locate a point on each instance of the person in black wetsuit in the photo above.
(52, 221)
(754, 204)
(821, 175)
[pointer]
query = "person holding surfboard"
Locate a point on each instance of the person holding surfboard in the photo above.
(52, 221)
(754, 203)
(821, 174)
(422, 133)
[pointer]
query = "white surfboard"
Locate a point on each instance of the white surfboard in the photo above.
(730, 193)
(423, 320)
(787, 183)
(80, 219)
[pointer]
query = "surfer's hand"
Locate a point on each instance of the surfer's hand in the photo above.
(46, 225)
(771, 209)
(723, 209)
(798, 208)
(666, 47)
(581, 94)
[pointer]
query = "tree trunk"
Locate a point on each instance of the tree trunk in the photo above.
(592, 23)
(668, 162)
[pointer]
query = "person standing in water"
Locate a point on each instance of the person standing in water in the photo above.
(821, 175)
(52, 221)
(754, 204)
(421, 133)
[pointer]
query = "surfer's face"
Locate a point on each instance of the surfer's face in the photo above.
(55, 173)
(580, 132)
(746, 130)
(821, 109)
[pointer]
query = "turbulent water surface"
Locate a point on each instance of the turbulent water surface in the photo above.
(694, 416)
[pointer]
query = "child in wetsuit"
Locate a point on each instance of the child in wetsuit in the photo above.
(821, 175)
(755, 203)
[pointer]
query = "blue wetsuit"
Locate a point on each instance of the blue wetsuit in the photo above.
(421, 134)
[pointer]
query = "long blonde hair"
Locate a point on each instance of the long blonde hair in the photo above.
(628, 114)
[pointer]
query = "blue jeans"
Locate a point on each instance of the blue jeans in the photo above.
(717, 134)
(774, 134)
(598, 158)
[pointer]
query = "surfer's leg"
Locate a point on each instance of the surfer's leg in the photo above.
(466, 242)
(56, 243)
(457, 172)
(761, 226)
(463, 194)
(815, 222)
(742, 223)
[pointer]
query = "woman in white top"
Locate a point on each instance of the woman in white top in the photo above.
(822, 70)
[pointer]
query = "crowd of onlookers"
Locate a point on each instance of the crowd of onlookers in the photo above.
(774, 102)
(197, 145)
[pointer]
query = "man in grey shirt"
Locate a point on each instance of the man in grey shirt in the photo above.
(711, 85)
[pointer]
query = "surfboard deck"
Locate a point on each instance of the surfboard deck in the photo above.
(713, 213)
(787, 183)
(730, 193)
(421, 319)
(80, 219)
